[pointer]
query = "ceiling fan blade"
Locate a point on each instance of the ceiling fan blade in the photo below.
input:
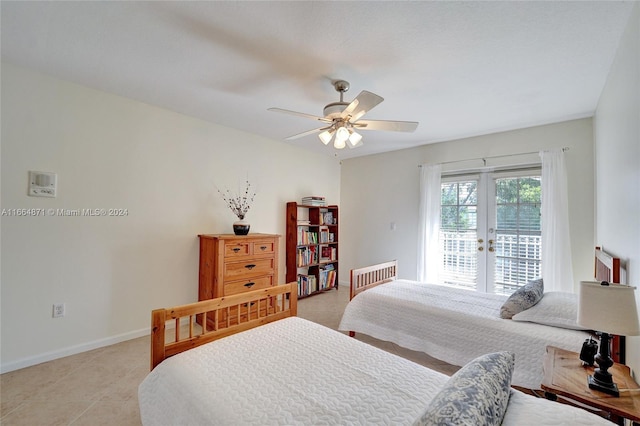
(308, 132)
(391, 126)
(364, 102)
(300, 114)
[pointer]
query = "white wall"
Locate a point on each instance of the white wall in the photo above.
(617, 153)
(384, 188)
(112, 152)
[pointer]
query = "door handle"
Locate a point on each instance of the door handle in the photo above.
(480, 241)
(491, 248)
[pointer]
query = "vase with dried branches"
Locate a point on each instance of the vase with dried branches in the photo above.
(239, 204)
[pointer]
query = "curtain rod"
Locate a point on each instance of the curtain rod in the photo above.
(484, 159)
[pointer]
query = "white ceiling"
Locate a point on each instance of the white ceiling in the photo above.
(459, 68)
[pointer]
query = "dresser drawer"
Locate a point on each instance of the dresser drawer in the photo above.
(237, 248)
(235, 287)
(248, 268)
(246, 248)
(265, 247)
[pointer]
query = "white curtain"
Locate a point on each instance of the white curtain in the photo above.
(557, 271)
(429, 223)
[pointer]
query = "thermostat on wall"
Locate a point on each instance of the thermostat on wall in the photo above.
(42, 184)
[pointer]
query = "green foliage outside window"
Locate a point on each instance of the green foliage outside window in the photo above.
(459, 205)
(518, 204)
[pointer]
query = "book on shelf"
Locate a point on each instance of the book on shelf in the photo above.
(306, 256)
(314, 201)
(307, 284)
(307, 237)
(324, 234)
(327, 277)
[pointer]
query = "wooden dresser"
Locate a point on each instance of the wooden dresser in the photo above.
(231, 264)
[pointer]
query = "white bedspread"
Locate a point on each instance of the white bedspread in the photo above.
(294, 371)
(454, 325)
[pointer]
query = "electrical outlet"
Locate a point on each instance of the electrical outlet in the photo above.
(58, 310)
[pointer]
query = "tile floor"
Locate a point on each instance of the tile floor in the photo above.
(100, 387)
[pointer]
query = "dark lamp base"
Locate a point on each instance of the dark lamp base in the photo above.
(608, 388)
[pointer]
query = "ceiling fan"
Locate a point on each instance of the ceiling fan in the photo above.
(342, 119)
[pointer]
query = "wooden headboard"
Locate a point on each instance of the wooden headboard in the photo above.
(608, 268)
(208, 320)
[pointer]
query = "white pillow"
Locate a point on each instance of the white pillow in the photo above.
(556, 308)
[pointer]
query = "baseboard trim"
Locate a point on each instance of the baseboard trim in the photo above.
(84, 347)
(72, 350)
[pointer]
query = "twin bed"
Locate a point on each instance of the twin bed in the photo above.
(268, 366)
(458, 325)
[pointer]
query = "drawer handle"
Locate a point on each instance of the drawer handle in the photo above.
(248, 304)
(249, 285)
(235, 250)
(250, 266)
(263, 248)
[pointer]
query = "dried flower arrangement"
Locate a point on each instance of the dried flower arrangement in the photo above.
(240, 203)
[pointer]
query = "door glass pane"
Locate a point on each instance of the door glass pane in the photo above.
(449, 217)
(467, 193)
(518, 235)
(458, 233)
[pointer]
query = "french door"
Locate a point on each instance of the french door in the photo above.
(490, 230)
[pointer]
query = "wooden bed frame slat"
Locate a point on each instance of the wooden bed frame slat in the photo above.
(285, 294)
(371, 276)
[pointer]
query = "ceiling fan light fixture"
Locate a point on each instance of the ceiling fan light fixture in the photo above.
(325, 137)
(340, 119)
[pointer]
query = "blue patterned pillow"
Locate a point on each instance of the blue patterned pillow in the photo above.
(478, 394)
(522, 299)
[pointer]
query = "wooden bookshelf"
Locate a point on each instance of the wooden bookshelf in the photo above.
(312, 247)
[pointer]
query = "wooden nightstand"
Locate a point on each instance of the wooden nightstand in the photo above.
(565, 375)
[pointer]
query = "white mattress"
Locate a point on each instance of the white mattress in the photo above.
(295, 372)
(454, 325)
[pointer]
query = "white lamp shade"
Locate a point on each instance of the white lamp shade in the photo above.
(342, 135)
(608, 308)
(325, 136)
(354, 138)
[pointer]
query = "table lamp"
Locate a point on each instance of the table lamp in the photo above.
(608, 309)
